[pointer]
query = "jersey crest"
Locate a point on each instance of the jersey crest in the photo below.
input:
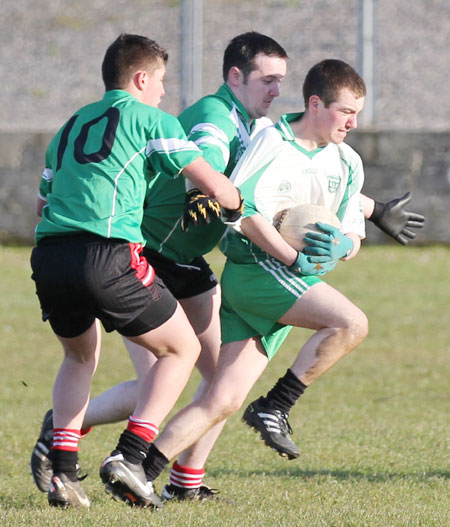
(285, 186)
(333, 183)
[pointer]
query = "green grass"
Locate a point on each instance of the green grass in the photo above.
(373, 431)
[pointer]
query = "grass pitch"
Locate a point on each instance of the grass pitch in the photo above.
(373, 431)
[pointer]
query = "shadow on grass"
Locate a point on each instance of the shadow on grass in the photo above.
(342, 475)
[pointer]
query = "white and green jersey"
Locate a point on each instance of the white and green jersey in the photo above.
(98, 167)
(276, 173)
(220, 126)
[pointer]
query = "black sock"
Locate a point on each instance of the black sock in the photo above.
(133, 447)
(65, 461)
(285, 392)
(154, 463)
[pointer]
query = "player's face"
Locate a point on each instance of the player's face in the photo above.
(336, 121)
(154, 89)
(262, 85)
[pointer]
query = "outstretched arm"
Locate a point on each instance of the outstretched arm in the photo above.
(392, 218)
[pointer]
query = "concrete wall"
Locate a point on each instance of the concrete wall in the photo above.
(395, 162)
(22, 158)
(51, 59)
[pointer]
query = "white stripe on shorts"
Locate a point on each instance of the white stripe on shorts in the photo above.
(285, 277)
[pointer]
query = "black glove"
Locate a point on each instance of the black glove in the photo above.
(395, 221)
(198, 207)
(232, 215)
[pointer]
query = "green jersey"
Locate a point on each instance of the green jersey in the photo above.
(221, 127)
(99, 166)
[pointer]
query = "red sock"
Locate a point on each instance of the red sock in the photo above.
(141, 428)
(190, 478)
(65, 439)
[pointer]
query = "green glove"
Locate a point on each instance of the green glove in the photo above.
(331, 242)
(304, 266)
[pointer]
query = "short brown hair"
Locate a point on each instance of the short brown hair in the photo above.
(242, 50)
(328, 78)
(127, 54)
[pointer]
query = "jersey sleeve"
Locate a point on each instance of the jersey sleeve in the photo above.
(259, 155)
(350, 210)
(213, 133)
(45, 185)
(168, 150)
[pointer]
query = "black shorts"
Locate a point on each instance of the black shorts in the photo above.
(183, 280)
(83, 277)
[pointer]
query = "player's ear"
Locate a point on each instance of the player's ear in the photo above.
(140, 79)
(234, 75)
(314, 103)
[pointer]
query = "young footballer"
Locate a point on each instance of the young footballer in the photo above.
(267, 286)
(221, 125)
(88, 266)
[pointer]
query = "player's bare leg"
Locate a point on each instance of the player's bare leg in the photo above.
(340, 326)
(188, 471)
(70, 400)
(177, 348)
(240, 365)
(114, 405)
(73, 381)
(118, 403)
(203, 313)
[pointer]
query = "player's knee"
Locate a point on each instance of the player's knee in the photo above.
(233, 405)
(188, 352)
(80, 356)
(357, 328)
(225, 405)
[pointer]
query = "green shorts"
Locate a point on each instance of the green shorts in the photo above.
(255, 296)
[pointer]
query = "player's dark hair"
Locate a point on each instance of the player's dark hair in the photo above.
(326, 79)
(128, 54)
(242, 50)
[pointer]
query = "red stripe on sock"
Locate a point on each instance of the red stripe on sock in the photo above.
(65, 439)
(187, 477)
(142, 428)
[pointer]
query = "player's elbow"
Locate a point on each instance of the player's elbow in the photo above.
(40, 203)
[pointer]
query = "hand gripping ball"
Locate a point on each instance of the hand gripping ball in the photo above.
(294, 223)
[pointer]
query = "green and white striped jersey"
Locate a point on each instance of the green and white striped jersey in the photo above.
(220, 126)
(99, 164)
(276, 173)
